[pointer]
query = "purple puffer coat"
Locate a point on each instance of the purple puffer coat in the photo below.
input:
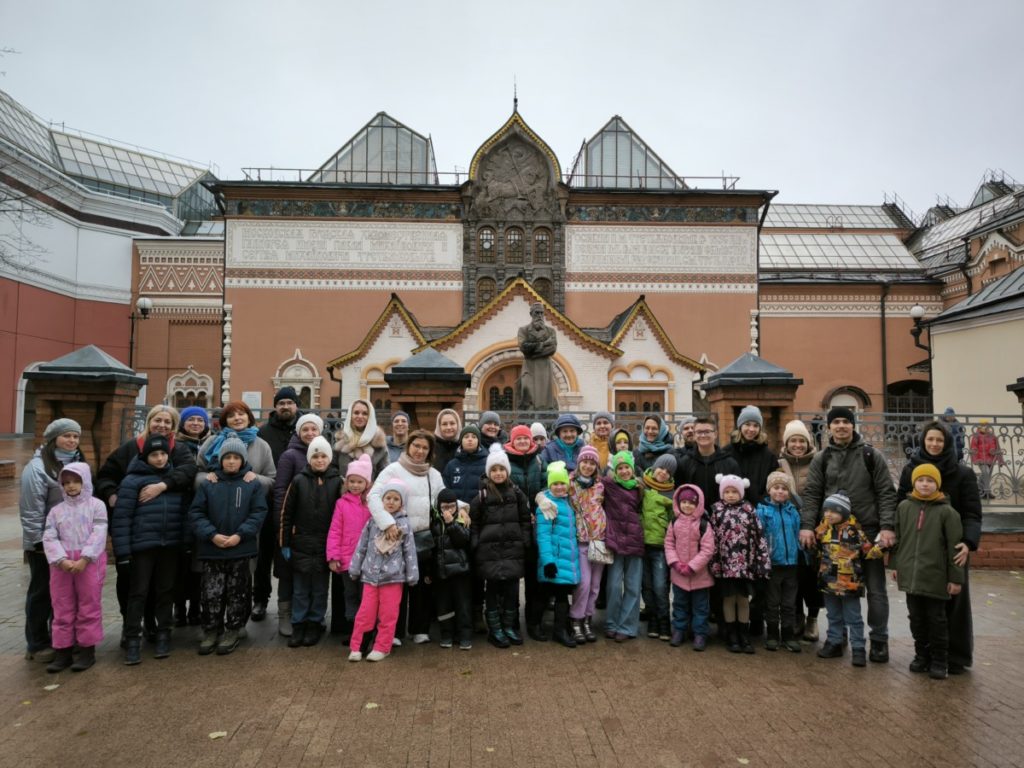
(624, 534)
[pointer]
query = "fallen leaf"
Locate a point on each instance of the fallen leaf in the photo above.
(993, 594)
(17, 725)
(986, 663)
(989, 602)
(466, 672)
(218, 734)
(1014, 573)
(490, 749)
(515, 653)
(25, 703)
(52, 687)
(743, 761)
(371, 705)
(81, 733)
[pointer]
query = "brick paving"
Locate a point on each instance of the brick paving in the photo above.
(638, 703)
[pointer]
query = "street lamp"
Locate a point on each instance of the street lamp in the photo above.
(917, 315)
(143, 306)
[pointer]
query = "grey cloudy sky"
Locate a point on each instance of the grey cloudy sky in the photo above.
(829, 102)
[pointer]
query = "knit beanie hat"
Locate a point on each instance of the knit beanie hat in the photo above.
(687, 420)
(603, 415)
(489, 417)
(361, 467)
(625, 433)
(470, 429)
(233, 445)
(284, 393)
(195, 410)
(396, 485)
(319, 445)
(496, 456)
(309, 418)
(537, 430)
(796, 428)
(622, 457)
(750, 413)
(447, 496)
(520, 430)
(588, 452)
(689, 493)
(396, 414)
(667, 462)
(780, 478)
(840, 412)
(557, 473)
(60, 427)
(731, 481)
(154, 443)
(927, 470)
(838, 502)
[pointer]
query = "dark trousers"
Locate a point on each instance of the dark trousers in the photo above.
(123, 588)
(536, 602)
(227, 594)
(780, 596)
(808, 593)
(38, 609)
(501, 594)
(416, 610)
(345, 594)
(187, 589)
(156, 568)
(261, 583)
(961, 624)
(929, 627)
(453, 598)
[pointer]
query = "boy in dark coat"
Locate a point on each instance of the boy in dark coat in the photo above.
(453, 584)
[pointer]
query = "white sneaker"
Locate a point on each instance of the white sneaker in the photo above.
(376, 656)
(396, 643)
(355, 656)
(421, 639)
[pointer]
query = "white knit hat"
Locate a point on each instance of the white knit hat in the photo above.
(497, 456)
(319, 444)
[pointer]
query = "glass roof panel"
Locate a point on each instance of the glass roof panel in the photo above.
(23, 129)
(384, 151)
(616, 157)
(818, 252)
(829, 216)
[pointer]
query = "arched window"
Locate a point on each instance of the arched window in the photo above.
(514, 246)
(485, 245)
(485, 290)
(543, 286)
(542, 246)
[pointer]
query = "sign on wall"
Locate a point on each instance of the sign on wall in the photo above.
(660, 250)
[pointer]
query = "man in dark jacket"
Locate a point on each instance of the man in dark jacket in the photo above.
(280, 426)
(850, 465)
(700, 466)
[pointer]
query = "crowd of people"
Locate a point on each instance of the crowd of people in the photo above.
(481, 532)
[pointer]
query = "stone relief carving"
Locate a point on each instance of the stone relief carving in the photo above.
(513, 184)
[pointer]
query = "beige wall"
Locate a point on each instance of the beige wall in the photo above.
(974, 362)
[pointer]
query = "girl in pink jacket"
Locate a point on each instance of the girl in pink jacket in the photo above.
(75, 540)
(689, 545)
(350, 515)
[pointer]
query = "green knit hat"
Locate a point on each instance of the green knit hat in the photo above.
(557, 473)
(620, 457)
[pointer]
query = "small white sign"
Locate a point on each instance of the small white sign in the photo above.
(253, 399)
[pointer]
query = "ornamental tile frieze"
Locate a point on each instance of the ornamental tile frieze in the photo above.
(346, 209)
(668, 213)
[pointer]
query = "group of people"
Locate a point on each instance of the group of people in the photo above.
(392, 533)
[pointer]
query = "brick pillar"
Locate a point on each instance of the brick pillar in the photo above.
(424, 385)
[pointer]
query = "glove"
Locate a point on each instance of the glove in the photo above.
(550, 570)
(286, 553)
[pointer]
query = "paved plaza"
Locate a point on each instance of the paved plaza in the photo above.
(637, 703)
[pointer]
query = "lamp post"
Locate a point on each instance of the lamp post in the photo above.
(143, 307)
(917, 315)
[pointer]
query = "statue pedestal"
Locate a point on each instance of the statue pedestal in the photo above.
(424, 385)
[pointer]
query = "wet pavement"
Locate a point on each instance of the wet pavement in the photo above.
(636, 703)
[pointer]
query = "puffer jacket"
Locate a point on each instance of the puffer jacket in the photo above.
(464, 473)
(556, 543)
(39, 494)
(77, 524)
(781, 525)
(927, 533)
(741, 551)
(451, 546)
(843, 549)
(420, 499)
(115, 468)
(444, 451)
(756, 462)
(228, 506)
(501, 529)
(556, 450)
(798, 468)
(399, 566)
(684, 543)
(694, 469)
(292, 461)
(278, 434)
(160, 522)
(588, 504)
(347, 523)
(624, 534)
(306, 517)
(347, 450)
(655, 510)
(526, 471)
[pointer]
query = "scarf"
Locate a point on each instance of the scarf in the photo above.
(212, 451)
(937, 496)
(360, 439)
(627, 484)
(658, 445)
(584, 482)
(66, 457)
(417, 468)
(567, 449)
(654, 485)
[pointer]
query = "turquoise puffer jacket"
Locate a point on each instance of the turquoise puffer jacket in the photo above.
(556, 543)
(781, 523)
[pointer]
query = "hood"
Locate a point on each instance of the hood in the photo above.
(700, 500)
(81, 469)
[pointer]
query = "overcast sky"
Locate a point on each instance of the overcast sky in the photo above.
(828, 102)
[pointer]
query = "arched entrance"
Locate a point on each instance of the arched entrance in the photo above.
(504, 365)
(498, 389)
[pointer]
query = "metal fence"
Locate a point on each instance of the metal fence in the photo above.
(134, 420)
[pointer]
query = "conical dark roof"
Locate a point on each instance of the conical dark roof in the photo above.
(427, 364)
(90, 363)
(749, 369)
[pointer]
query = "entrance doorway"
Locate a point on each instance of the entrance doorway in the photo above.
(639, 400)
(498, 390)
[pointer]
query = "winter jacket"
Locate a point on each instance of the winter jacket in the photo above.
(40, 492)
(694, 469)
(843, 549)
(624, 534)
(556, 543)
(655, 510)
(451, 546)
(798, 468)
(588, 506)
(228, 506)
(871, 491)
(259, 457)
(781, 526)
(684, 543)
(399, 566)
(485, 442)
(465, 473)
(278, 434)
(556, 450)
(756, 462)
(500, 531)
(526, 471)
(77, 524)
(161, 522)
(741, 551)
(306, 517)
(444, 451)
(291, 462)
(927, 533)
(189, 442)
(115, 468)
(419, 501)
(394, 450)
(644, 460)
(346, 451)
(347, 523)
(985, 447)
(959, 485)
(604, 451)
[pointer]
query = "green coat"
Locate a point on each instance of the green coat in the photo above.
(923, 558)
(655, 516)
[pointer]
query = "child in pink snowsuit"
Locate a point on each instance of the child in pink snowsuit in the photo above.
(75, 540)
(350, 516)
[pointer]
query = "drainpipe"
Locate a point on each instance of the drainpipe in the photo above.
(962, 266)
(330, 372)
(885, 350)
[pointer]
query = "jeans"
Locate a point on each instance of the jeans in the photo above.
(690, 610)
(655, 583)
(38, 608)
(878, 600)
(155, 568)
(780, 596)
(625, 576)
(309, 596)
(844, 613)
(584, 597)
(379, 608)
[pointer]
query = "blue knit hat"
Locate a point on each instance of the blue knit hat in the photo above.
(195, 410)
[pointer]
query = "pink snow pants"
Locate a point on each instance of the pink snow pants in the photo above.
(78, 604)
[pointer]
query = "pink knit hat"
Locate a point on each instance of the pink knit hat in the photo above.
(361, 467)
(731, 481)
(588, 452)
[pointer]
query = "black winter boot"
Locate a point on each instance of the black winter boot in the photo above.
(560, 631)
(509, 619)
(61, 660)
(789, 640)
(86, 658)
(495, 634)
(588, 630)
(577, 632)
(745, 645)
(163, 644)
(298, 635)
(732, 630)
(133, 651)
(771, 637)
